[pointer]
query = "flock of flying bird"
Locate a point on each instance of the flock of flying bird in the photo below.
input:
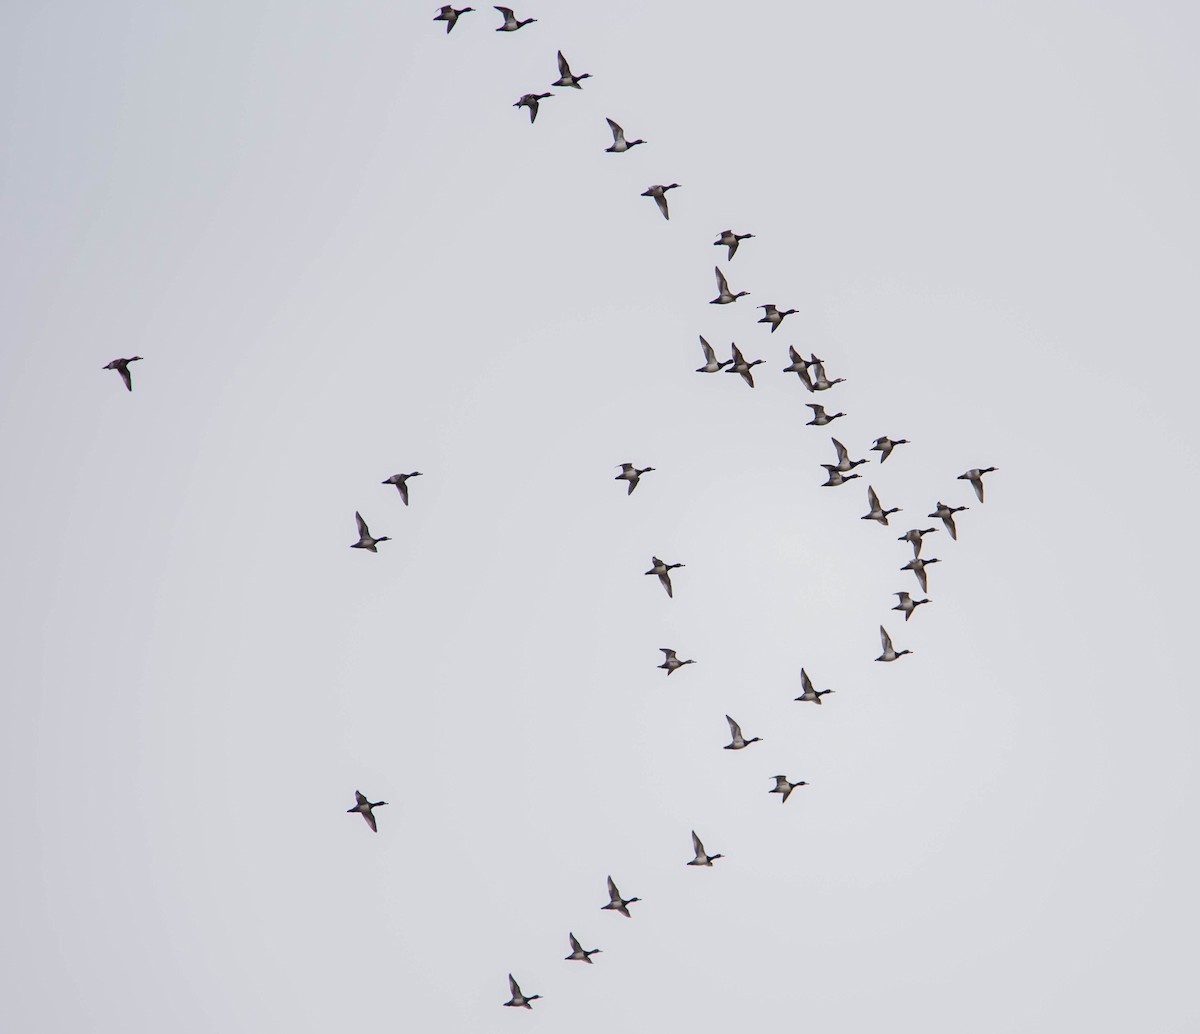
(813, 377)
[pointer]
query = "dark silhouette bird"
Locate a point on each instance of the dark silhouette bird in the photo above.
(565, 78)
(122, 367)
(400, 481)
(730, 240)
(724, 295)
(620, 144)
(531, 101)
(511, 24)
(363, 807)
(365, 541)
(659, 193)
(616, 902)
(518, 1000)
(450, 16)
(671, 662)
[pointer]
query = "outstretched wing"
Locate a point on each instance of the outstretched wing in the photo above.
(722, 283)
(696, 845)
(873, 499)
(362, 526)
(842, 454)
(885, 639)
(735, 730)
(514, 987)
(617, 132)
(613, 893)
(661, 199)
(805, 681)
(709, 354)
(564, 69)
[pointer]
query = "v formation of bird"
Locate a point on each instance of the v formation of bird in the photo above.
(812, 375)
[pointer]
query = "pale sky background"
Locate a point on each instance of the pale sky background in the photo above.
(343, 254)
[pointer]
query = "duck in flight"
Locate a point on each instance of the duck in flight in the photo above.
(671, 662)
(450, 16)
(122, 367)
(975, 476)
(702, 857)
(885, 445)
(664, 573)
(400, 481)
(917, 566)
(363, 807)
(659, 193)
(565, 78)
(616, 902)
(907, 604)
(784, 787)
(836, 477)
(724, 295)
(889, 653)
(808, 694)
(877, 512)
(914, 537)
(799, 366)
(580, 953)
(821, 418)
(730, 240)
(737, 741)
(511, 24)
(620, 144)
(365, 541)
(739, 365)
(844, 464)
(775, 316)
(820, 381)
(710, 359)
(631, 474)
(946, 513)
(531, 101)
(518, 1000)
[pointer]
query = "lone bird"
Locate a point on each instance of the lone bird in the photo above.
(702, 858)
(807, 693)
(915, 536)
(365, 541)
(519, 1000)
(531, 101)
(710, 365)
(739, 365)
(784, 787)
(631, 474)
(565, 78)
(885, 445)
(821, 418)
(917, 566)
(775, 316)
(400, 481)
(510, 20)
(724, 295)
(659, 193)
(620, 144)
(975, 476)
(671, 662)
(122, 367)
(580, 953)
(946, 513)
(907, 604)
(450, 16)
(889, 653)
(844, 464)
(616, 902)
(664, 573)
(363, 807)
(737, 742)
(730, 240)
(877, 512)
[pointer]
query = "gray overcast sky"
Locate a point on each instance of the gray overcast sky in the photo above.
(344, 254)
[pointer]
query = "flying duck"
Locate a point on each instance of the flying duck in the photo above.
(671, 662)
(821, 418)
(844, 464)
(663, 572)
(702, 858)
(889, 654)
(836, 477)
(799, 366)
(917, 566)
(519, 1000)
(565, 78)
(450, 16)
(784, 787)
(907, 604)
(710, 365)
(616, 902)
(530, 101)
(631, 474)
(510, 21)
(820, 381)
(885, 445)
(808, 694)
(729, 239)
(775, 316)
(975, 476)
(739, 365)
(914, 537)
(399, 481)
(877, 513)
(365, 541)
(659, 193)
(738, 742)
(946, 513)
(724, 295)
(580, 953)
(122, 367)
(620, 144)
(363, 807)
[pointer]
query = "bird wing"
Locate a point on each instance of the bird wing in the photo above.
(722, 283)
(738, 358)
(805, 681)
(514, 987)
(613, 893)
(670, 653)
(362, 526)
(665, 578)
(359, 798)
(661, 200)
(564, 70)
(617, 132)
(124, 372)
(872, 498)
(842, 454)
(922, 579)
(507, 12)
(575, 946)
(735, 730)
(709, 354)
(747, 376)
(403, 487)
(696, 845)
(885, 639)
(370, 817)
